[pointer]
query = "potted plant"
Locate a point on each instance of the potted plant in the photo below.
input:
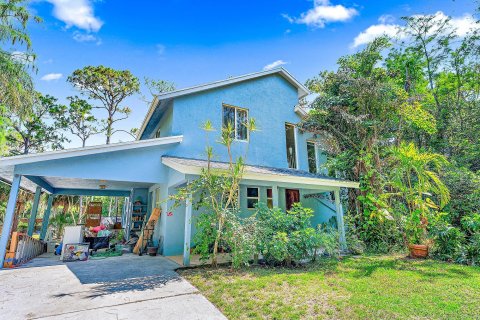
(416, 230)
(415, 178)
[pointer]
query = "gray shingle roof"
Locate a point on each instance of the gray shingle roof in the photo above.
(250, 168)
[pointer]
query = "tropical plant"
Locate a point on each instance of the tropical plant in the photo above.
(215, 192)
(414, 177)
(16, 87)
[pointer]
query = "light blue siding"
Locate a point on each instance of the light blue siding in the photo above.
(136, 165)
(270, 101)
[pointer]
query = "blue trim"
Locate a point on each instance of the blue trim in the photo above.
(90, 192)
(9, 215)
(41, 182)
(33, 213)
(46, 217)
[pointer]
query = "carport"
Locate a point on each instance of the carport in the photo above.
(119, 170)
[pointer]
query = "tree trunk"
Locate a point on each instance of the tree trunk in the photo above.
(80, 209)
(109, 127)
(217, 240)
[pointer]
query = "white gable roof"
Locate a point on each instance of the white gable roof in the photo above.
(302, 90)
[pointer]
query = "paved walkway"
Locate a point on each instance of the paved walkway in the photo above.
(126, 287)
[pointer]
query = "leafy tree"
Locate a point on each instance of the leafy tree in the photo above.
(79, 119)
(156, 87)
(16, 87)
(38, 130)
(110, 87)
(441, 71)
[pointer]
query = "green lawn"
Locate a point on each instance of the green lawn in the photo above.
(373, 287)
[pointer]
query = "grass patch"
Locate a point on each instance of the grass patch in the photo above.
(385, 287)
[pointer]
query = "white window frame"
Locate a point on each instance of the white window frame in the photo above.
(235, 120)
(253, 198)
(295, 142)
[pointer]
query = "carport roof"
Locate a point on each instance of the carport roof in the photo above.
(7, 164)
(194, 166)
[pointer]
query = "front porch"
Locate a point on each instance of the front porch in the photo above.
(274, 187)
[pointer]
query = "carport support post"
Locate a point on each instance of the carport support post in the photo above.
(9, 215)
(46, 217)
(33, 213)
(340, 225)
(188, 231)
(275, 200)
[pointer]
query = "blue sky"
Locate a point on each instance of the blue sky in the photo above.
(193, 42)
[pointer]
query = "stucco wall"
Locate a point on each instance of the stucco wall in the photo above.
(270, 101)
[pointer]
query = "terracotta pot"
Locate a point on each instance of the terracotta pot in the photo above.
(418, 250)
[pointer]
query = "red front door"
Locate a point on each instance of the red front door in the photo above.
(292, 196)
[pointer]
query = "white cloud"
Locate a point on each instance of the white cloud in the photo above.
(462, 26)
(274, 64)
(78, 13)
(86, 37)
(375, 31)
(22, 57)
(322, 13)
(51, 76)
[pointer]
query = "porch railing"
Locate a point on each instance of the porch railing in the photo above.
(22, 249)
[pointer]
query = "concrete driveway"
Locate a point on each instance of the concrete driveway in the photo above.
(126, 287)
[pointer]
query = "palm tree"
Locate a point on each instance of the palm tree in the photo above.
(415, 174)
(415, 177)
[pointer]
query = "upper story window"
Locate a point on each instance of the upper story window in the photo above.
(312, 157)
(238, 119)
(291, 147)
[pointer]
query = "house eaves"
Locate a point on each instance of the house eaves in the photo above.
(259, 173)
(301, 89)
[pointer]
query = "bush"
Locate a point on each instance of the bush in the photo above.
(286, 238)
(241, 237)
(472, 250)
(448, 243)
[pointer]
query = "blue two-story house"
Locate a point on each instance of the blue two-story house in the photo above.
(283, 162)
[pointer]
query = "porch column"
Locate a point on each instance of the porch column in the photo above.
(340, 225)
(188, 231)
(33, 213)
(9, 215)
(275, 200)
(46, 217)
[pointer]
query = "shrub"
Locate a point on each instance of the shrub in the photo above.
(448, 243)
(472, 250)
(241, 237)
(284, 238)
